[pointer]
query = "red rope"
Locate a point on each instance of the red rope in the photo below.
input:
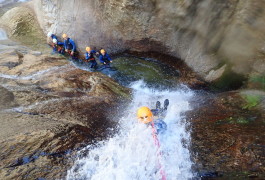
(159, 153)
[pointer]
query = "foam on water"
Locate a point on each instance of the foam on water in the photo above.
(131, 154)
(3, 35)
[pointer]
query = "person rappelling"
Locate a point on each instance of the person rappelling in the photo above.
(145, 115)
(105, 59)
(153, 117)
(70, 47)
(89, 55)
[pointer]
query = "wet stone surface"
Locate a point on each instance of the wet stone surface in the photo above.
(49, 110)
(228, 140)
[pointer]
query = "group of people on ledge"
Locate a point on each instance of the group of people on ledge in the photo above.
(68, 47)
(145, 115)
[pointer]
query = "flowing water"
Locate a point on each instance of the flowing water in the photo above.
(132, 154)
(3, 35)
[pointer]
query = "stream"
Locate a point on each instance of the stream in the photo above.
(131, 153)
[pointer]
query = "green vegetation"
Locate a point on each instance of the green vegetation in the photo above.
(228, 81)
(23, 27)
(28, 32)
(251, 101)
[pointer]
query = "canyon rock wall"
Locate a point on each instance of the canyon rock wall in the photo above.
(223, 36)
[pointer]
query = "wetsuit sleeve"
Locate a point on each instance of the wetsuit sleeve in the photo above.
(86, 54)
(60, 43)
(73, 44)
(101, 59)
(108, 56)
(65, 44)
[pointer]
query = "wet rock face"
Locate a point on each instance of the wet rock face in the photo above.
(48, 110)
(6, 98)
(205, 34)
(22, 25)
(227, 136)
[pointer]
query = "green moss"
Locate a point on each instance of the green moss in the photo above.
(30, 35)
(228, 81)
(23, 27)
(251, 101)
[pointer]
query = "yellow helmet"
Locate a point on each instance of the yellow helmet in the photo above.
(88, 49)
(144, 115)
(64, 36)
(102, 51)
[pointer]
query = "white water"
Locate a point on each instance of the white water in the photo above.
(131, 154)
(3, 35)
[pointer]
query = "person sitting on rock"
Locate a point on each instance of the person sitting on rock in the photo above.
(50, 37)
(145, 115)
(57, 46)
(53, 41)
(105, 58)
(90, 57)
(70, 47)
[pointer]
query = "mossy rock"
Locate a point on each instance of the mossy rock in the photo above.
(22, 26)
(229, 80)
(253, 99)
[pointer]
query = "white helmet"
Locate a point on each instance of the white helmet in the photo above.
(54, 41)
(49, 34)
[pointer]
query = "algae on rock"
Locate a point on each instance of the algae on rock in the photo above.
(22, 26)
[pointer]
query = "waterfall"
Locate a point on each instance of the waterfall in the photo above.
(131, 153)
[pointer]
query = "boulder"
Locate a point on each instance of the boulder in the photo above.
(22, 26)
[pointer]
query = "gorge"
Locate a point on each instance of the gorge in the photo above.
(60, 120)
